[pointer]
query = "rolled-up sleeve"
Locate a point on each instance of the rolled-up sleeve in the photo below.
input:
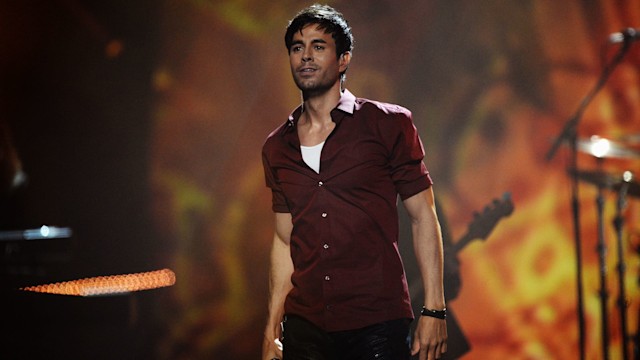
(408, 171)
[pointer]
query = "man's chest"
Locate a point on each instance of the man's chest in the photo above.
(349, 165)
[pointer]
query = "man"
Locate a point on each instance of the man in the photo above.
(336, 168)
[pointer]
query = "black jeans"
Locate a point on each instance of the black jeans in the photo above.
(383, 341)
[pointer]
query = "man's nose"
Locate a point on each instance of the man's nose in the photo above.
(306, 56)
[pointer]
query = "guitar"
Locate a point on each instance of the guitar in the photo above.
(483, 223)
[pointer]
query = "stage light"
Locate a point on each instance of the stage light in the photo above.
(600, 147)
(109, 285)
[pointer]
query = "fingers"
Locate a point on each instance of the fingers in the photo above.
(415, 346)
(271, 350)
(432, 353)
(272, 356)
(277, 353)
(428, 351)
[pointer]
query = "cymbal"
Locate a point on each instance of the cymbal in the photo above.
(633, 139)
(608, 180)
(604, 148)
(597, 177)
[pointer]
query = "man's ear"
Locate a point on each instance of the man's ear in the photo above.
(344, 60)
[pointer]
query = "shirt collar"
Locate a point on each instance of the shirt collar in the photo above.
(346, 104)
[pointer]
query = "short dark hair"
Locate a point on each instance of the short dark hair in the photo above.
(328, 19)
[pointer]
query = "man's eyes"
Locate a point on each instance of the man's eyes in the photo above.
(299, 48)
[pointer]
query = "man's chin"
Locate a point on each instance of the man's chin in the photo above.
(304, 85)
(311, 89)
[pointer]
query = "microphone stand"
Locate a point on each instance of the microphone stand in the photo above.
(602, 262)
(569, 134)
(618, 223)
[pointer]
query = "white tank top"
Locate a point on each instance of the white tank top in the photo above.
(311, 156)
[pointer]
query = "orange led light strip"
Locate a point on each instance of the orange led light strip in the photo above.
(109, 285)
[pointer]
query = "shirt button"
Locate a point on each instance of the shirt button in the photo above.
(324, 215)
(326, 246)
(327, 278)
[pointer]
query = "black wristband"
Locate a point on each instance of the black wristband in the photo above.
(439, 314)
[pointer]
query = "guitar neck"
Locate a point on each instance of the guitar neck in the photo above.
(483, 223)
(462, 242)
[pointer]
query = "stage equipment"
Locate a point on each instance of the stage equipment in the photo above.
(604, 148)
(602, 262)
(625, 36)
(630, 139)
(32, 253)
(614, 181)
(618, 223)
(569, 135)
(109, 285)
(624, 185)
(42, 233)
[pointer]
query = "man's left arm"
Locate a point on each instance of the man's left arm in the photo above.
(431, 333)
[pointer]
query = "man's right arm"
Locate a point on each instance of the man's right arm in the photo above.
(279, 283)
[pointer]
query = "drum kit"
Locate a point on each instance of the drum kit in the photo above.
(623, 183)
(601, 149)
(626, 148)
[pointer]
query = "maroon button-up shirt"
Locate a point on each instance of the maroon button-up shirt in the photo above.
(344, 244)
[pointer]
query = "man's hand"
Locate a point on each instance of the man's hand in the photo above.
(430, 338)
(270, 349)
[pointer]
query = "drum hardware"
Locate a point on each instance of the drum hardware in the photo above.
(618, 224)
(604, 148)
(569, 134)
(625, 185)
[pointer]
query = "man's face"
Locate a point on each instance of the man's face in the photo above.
(313, 60)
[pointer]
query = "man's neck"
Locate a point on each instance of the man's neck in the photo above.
(317, 107)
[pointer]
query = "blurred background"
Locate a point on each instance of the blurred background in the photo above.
(139, 125)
